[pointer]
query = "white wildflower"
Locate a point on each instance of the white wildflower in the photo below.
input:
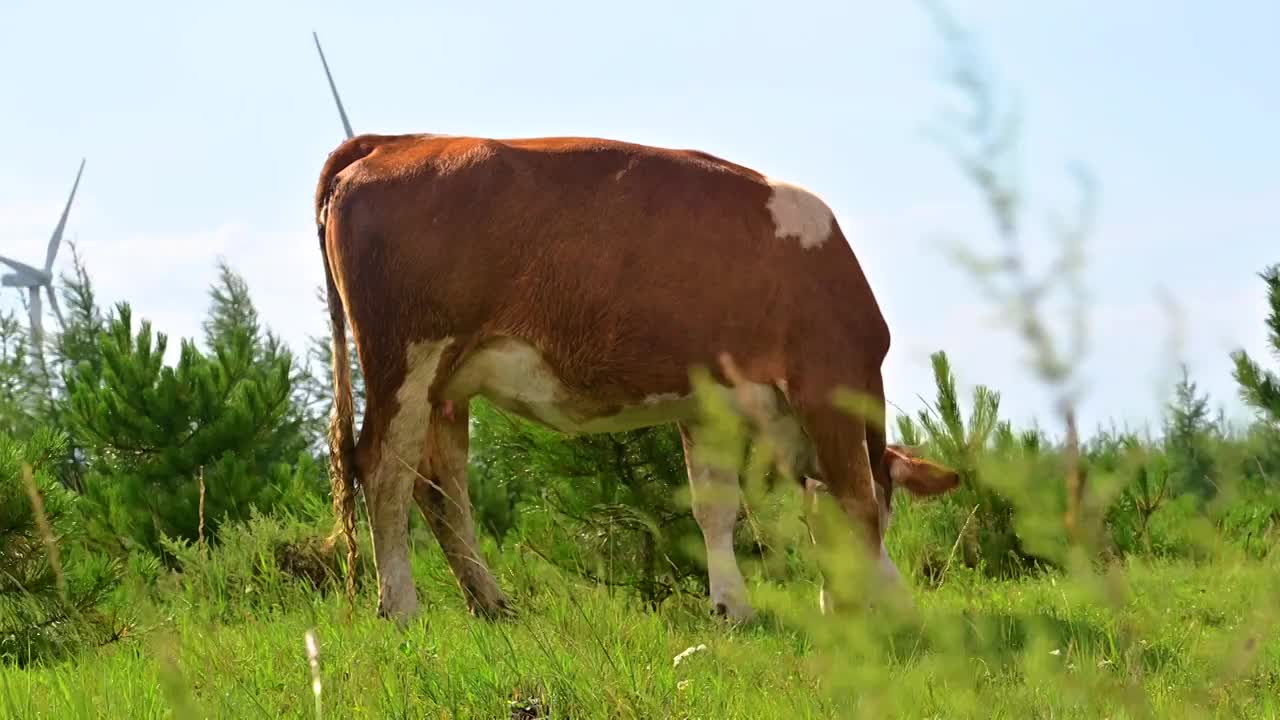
(687, 652)
(313, 657)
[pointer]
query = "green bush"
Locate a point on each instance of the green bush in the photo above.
(52, 599)
(999, 470)
(19, 396)
(153, 434)
(611, 507)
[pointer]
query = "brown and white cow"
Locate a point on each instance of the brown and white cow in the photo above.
(576, 282)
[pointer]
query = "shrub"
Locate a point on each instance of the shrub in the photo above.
(609, 507)
(51, 598)
(153, 434)
(999, 469)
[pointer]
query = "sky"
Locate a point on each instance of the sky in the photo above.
(204, 128)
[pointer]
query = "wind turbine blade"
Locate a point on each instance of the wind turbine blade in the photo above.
(22, 268)
(346, 124)
(57, 309)
(62, 223)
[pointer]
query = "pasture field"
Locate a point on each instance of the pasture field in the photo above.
(1149, 639)
(161, 528)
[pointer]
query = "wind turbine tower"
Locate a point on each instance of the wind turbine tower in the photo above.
(34, 279)
(346, 124)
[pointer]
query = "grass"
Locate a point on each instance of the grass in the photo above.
(1181, 640)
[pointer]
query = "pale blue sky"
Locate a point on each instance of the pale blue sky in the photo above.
(205, 126)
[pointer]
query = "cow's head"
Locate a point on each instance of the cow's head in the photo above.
(908, 470)
(919, 476)
(905, 467)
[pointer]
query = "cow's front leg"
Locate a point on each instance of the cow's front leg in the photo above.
(441, 493)
(715, 506)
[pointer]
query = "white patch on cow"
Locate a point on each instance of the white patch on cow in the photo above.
(390, 488)
(513, 375)
(799, 213)
(422, 360)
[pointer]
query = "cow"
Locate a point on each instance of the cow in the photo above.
(577, 282)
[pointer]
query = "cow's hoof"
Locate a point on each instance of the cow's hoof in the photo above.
(400, 617)
(498, 608)
(734, 612)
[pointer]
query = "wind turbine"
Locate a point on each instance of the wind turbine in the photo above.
(346, 124)
(33, 279)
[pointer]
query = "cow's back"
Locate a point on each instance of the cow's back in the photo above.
(623, 264)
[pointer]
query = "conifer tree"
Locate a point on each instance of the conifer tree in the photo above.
(45, 365)
(19, 396)
(151, 431)
(1260, 388)
(232, 313)
(990, 539)
(1188, 439)
(605, 506)
(76, 343)
(46, 608)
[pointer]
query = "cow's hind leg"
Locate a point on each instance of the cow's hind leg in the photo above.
(715, 506)
(442, 495)
(388, 494)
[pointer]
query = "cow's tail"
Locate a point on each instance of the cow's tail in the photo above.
(342, 446)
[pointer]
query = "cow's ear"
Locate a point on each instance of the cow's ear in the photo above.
(920, 477)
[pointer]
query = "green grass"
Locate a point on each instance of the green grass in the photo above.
(1178, 640)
